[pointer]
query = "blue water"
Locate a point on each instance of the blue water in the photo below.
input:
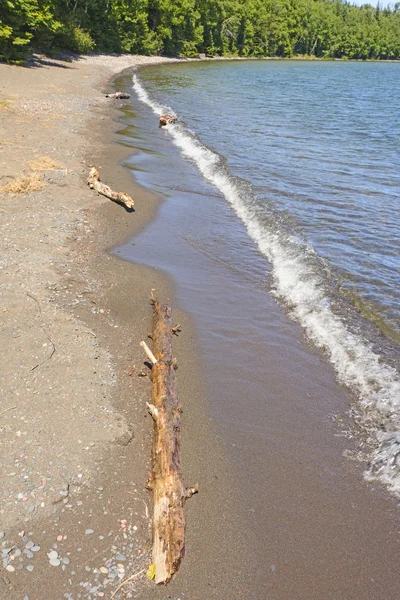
(319, 142)
(307, 154)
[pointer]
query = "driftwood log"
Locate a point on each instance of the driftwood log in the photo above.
(95, 184)
(169, 493)
(166, 120)
(118, 95)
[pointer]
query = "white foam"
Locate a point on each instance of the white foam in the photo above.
(296, 282)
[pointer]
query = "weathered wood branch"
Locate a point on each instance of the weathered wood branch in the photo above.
(118, 96)
(166, 120)
(169, 493)
(149, 353)
(119, 197)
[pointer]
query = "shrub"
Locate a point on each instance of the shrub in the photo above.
(81, 42)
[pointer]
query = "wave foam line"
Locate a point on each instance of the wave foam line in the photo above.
(296, 283)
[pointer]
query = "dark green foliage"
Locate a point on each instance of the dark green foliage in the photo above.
(282, 28)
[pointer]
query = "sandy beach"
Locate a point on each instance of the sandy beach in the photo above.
(76, 435)
(73, 422)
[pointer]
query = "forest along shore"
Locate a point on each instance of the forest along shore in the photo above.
(321, 28)
(75, 436)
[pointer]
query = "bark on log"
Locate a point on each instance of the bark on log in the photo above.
(166, 120)
(118, 95)
(119, 197)
(169, 493)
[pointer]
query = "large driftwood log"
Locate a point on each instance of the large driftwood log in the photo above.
(169, 493)
(118, 95)
(95, 184)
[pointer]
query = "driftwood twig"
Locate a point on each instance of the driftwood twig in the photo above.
(118, 96)
(47, 357)
(7, 410)
(166, 120)
(95, 184)
(126, 581)
(149, 353)
(36, 300)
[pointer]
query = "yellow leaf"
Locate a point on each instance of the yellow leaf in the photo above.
(151, 571)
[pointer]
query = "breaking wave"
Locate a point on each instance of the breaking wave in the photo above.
(300, 284)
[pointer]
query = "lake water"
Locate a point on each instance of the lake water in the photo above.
(279, 228)
(307, 155)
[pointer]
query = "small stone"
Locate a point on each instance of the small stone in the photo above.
(29, 545)
(30, 568)
(10, 568)
(66, 560)
(29, 554)
(120, 557)
(35, 548)
(88, 569)
(53, 554)
(55, 562)
(59, 538)
(2, 534)
(103, 570)
(89, 531)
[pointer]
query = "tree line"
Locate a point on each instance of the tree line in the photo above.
(257, 28)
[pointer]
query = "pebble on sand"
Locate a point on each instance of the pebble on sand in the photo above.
(89, 531)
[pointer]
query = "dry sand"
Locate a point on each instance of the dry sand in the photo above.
(76, 437)
(72, 420)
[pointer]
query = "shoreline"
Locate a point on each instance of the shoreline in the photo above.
(101, 489)
(105, 303)
(337, 482)
(215, 521)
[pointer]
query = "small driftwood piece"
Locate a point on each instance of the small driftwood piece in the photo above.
(95, 184)
(118, 96)
(166, 120)
(169, 493)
